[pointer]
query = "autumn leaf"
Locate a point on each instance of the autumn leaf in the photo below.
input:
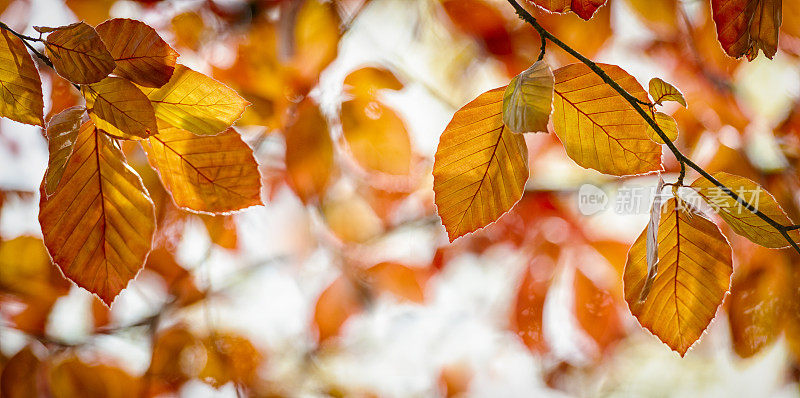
(195, 102)
(20, 375)
(141, 55)
(175, 355)
(376, 136)
(179, 281)
(404, 282)
(73, 378)
(309, 153)
(120, 109)
(599, 129)
(365, 82)
(746, 26)
(62, 130)
(527, 313)
(662, 91)
(98, 226)
(20, 84)
(528, 99)
(668, 126)
(743, 221)
(694, 271)
(340, 300)
(596, 312)
(584, 8)
(221, 230)
(211, 174)
(480, 167)
(78, 53)
(230, 358)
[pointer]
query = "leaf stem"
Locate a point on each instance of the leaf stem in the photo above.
(636, 104)
(39, 54)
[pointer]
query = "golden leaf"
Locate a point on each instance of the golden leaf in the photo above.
(62, 130)
(195, 102)
(230, 358)
(584, 8)
(742, 220)
(73, 378)
(78, 53)
(141, 55)
(747, 26)
(212, 174)
(694, 271)
(668, 126)
(120, 109)
(599, 129)
(365, 82)
(528, 99)
(20, 84)
(662, 91)
(480, 167)
(98, 226)
(376, 136)
(309, 153)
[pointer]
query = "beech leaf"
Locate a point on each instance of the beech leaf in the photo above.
(62, 130)
(528, 99)
(141, 55)
(78, 53)
(662, 91)
(668, 126)
(20, 84)
(120, 109)
(746, 26)
(583, 8)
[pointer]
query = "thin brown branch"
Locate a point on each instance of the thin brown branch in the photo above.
(635, 103)
(39, 54)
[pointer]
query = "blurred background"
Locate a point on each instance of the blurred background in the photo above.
(344, 283)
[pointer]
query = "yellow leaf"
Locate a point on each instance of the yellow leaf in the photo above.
(315, 41)
(742, 220)
(309, 153)
(230, 358)
(694, 271)
(120, 109)
(376, 136)
(99, 224)
(662, 91)
(365, 82)
(62, 130)
(195, 102)
(212, 174)
(528, 99)
(141, 55)
(480, 168)
(78, 53)
(747, 26)
(599, 129)
(20, 84)
(668, 126)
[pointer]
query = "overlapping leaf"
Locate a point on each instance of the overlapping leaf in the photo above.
(584, 8)
(98, 226)
(743, 221)
(78, 53)
(480, 168)
(213, 174)
(528, 99)
(20, 85)
(746, 26)
(694, 271)
(598, 127)
(195, 102)
(141, 55)
(120, 109)
(62, 130)
(668, 126)
(662, 91)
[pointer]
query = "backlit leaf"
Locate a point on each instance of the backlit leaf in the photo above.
(528, 99)
(527, 314)
(376, 136)
(694, 275)
(742, 220)
(402, 281)
(584, 8)
(119, 108)
(20, 375)
(365, 82)
(78, 53)
(662, 91)
(20, 84)
(480, 168)
(73, 378)
(309, 153)
(596, 312)
(651, 242)
(99, 224)
(746, 26)
(221, 230)
(141, 55)
(195, 102)
(62, 130)
(599, 129)
(230, 358)
(335, 305)
(668, 126)
(213, 174)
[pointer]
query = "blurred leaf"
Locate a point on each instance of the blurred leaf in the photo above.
(340, 300)
(91, 11)
(376, 136)
(365, 82)
(78, 53)
(315, 40)
(483, 21)
(179, 281)
(62, 130)
(693, 277)
(404, 282)
(120, 109)
(596, 312)
(141, 55)
(309, 153)
(20, 377)
(661, 16)
(480, 168)
(746, 26)
(176, 358)
(72, 378)
(230, 358)
(188, 28)
(527, 314)
(528, 99)
(221, 230)
(20, 85)
(351, 218)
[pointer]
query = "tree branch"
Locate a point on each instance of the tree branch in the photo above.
(25, 40)
(635, 103)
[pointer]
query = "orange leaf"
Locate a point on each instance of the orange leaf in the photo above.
(20, 84)
(366, 82)
(377, 137)
(584, 8)
(528, 312)
(596, 312)
(213, 174)
(175, 357)
(599, 129)
(98, 226)
(480, 168)
(402, 281)
(694, 271)
(335, 305)
(230, 358)
(20, 377)
(221, 230)
(78, 53)
(746, 26)
(120, 109)
(62, 130)
(179, 280)
(309, 153)
(141, 55)
(73, 378)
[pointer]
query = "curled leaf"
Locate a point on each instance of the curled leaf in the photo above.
(78, 53)
(651, 243)
(528, 99)
(746, 26)
(662, 91)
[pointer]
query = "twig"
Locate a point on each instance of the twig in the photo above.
(25, 40)
(635, 103)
